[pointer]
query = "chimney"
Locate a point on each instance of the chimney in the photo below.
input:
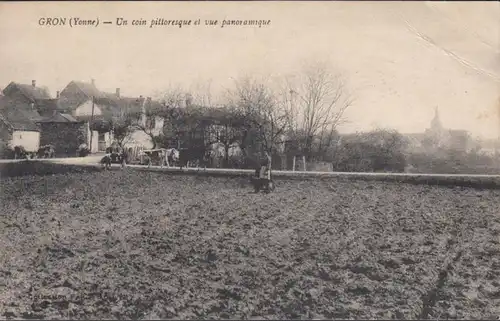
(118, 92)
(33, 83)
(92, 81)
(57, 94)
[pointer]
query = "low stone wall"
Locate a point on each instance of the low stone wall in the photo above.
(473, 181)
(39, 167)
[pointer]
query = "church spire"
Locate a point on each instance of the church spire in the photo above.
(436, 122)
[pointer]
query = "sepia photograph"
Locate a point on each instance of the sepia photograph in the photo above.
(241, 160)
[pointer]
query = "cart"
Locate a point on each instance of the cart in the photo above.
(157, 157)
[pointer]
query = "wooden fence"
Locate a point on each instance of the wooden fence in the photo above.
(135, 152)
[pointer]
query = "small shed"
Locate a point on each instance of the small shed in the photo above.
(66, 134)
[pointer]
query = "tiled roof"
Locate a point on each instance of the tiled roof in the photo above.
(70, 102)
(89, 89)
(47, 107)
(31, 92)
(89, 117)
(20, 116)
(69, 117)
(111, 104)
(59, 118)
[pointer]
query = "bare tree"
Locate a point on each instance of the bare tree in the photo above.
(315, 101)
(173, 97)
(201, 94)
(122, 126)
(197, 95)
(148, 127)
(263, 111)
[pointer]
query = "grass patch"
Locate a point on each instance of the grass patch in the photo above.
(41, 168)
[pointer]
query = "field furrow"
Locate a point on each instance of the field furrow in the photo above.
(128, 244)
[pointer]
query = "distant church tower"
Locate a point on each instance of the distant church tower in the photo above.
(436, 125)
(436, 130)
(435, 133)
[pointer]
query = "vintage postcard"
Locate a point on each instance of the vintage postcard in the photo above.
(249, 160)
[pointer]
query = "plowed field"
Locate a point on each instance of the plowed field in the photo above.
(127, 244)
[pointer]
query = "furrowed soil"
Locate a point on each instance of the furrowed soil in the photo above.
(128, 244)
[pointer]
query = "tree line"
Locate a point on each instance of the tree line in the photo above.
(299, 113)
(294, 115)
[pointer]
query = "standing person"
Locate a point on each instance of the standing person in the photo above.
(124, 157)
(265, 164)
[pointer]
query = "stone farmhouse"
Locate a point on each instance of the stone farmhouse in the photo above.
(80, 114)
(22, 108)
(17, 127)
(84, 101)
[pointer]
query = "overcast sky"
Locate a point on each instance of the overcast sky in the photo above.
(401, 59)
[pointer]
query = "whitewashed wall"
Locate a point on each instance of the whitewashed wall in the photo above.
(30, 140)
(85, 109)
(95, 141)
(139, 139)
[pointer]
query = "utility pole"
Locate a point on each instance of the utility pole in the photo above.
(90, 124)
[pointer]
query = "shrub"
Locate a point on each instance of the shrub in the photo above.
(452, 162)
(20, 152)
(376, 151)
(6, 151)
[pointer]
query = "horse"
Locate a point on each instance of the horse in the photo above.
(172, 156)
(106, 161)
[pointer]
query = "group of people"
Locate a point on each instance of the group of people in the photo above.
(115, 154)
